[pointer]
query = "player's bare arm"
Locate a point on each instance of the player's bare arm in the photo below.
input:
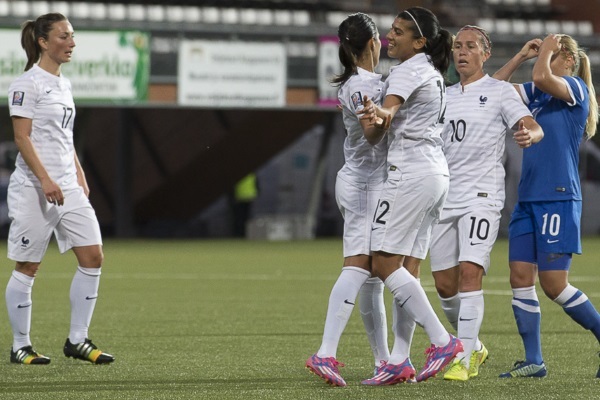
(22, 129)
(530, 50)
(81, 176)
(550, 66)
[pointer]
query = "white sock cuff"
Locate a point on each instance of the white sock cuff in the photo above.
(566, 294)
(22, 278)
(399, 278)
(526, 293)
(89, 271)
(374, 281)
(448, 299)
(467, 295)
(357, 269)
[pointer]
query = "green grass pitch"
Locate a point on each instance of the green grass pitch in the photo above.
(225, 319)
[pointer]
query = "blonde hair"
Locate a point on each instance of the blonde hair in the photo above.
(582, 68)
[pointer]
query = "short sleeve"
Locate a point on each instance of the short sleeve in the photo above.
(512, 105)
(526, 90)
(22, 98)
(576, 89)
(402, 81)
(356, 89)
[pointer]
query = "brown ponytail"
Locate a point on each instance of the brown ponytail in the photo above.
(31, 31)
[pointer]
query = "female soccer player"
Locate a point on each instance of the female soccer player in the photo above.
(480, 110)
(48, 191)
(417, 181)
(544, 230)
(358, 185)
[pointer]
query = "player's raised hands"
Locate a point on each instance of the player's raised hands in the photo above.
(531, 49)
(551, 43)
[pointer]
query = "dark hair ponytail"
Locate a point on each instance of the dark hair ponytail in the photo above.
(439, 41)
(31, 31)
(354, 33)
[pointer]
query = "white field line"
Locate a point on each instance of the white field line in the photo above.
(427, 282)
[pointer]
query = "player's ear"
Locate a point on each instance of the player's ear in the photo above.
(419, 43)
(43, 43)
(486, 55)
(371, 45)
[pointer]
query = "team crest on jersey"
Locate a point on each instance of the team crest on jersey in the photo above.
(356, 100)
(482, 100)
(17, 99)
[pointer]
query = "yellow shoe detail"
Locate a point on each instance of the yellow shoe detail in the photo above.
(478, 358)
(457, 371)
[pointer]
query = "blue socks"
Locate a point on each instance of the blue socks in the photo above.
(526, 309)
(577, 305)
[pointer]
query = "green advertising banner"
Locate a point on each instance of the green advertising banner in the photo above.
(107, 66)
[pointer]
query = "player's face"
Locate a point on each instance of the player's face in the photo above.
(469, 55)
(60, 43)
(402, 44)
(561, 63)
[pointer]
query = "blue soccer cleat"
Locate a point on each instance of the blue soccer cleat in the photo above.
(526, 369)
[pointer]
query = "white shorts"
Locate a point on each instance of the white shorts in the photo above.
(465, 234)
(405, 214)
(357, 205)
(34, 219)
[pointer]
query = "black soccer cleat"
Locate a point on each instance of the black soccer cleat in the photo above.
(87, 351)
(27, 355)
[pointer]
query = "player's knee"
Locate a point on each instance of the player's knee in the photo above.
(98, 258)
(446, 289)
(27, 268)
(91, 259)
(551, 292)
(471, 279)
(522, 274)
(552, 288)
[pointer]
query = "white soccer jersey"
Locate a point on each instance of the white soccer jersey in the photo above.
(477, 118)
(414, 142)
(47, 100)
(363, 161)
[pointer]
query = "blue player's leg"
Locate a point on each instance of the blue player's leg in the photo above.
(526, 306)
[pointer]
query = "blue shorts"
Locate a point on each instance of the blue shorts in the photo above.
(556, 225)
(545, 228)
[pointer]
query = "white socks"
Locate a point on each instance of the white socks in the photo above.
(469, 322)
(83, 295)
(372, 311)
(410, 295)
(403, 327)
(341, 303)
(18, 303)
(451, 307)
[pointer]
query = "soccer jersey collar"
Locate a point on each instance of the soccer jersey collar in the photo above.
(48, 74)
(473, 85)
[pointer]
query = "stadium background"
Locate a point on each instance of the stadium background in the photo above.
(160, 166)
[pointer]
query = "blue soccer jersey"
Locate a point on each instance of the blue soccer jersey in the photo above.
(550, 168)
